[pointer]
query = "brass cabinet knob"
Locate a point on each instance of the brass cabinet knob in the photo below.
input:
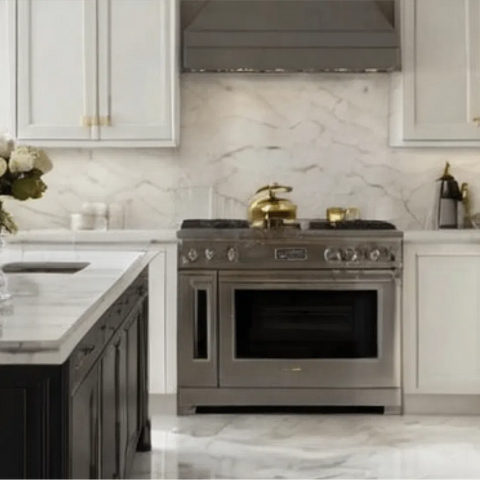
(476, 120)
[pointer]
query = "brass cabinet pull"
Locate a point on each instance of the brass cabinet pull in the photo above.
(293, 369)
(86, 122)
(96, 121)
(476, 120)
(106, 121)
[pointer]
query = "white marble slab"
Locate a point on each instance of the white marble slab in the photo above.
(326, 135)
(52, 312)
(311, 446)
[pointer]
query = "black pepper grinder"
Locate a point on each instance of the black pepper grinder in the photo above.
(449, 196)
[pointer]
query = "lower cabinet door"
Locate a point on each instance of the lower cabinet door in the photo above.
(85, 428)
(109, 415)
(448, 313)
(132, 385)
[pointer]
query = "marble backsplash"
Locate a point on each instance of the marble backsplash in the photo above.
(325, 135)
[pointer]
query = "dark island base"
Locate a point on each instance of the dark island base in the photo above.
(87, 417)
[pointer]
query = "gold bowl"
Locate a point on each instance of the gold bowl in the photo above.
(339, 214)
(336, 214)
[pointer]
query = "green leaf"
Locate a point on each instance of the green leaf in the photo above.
(28, 187)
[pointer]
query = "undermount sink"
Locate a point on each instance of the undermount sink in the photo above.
(44, 267)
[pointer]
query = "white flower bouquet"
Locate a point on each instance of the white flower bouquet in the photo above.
(21, 171)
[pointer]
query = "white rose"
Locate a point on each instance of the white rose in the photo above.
(3, 166)
(21, 160)
(6, 147)
(42, 162)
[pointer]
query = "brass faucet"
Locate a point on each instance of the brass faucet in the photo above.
(467, 215)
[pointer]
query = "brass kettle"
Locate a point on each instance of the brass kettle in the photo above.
(266, 209)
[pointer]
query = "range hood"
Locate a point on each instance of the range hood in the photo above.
(289, 35)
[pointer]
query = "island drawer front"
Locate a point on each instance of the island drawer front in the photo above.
(86, 353)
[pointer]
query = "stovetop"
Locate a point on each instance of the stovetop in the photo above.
(321, 224)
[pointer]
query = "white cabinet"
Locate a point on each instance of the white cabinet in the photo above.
(438, 99)
(441, 319)
(56, 69)
(97, 72)
(135, 87)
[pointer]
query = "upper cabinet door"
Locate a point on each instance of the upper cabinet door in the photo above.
(441, 69)
(137, 73)
(56, 61)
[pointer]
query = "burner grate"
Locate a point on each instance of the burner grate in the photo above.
(215, 223)
(352, 225)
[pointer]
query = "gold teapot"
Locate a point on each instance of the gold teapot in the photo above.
(266, 209)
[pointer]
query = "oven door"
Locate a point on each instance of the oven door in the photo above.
(322, 329)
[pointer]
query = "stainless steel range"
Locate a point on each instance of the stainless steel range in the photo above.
(290, 316)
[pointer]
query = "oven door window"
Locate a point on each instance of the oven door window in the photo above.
(306, 324)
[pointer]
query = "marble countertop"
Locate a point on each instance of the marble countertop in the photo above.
(145, 238)
(52, 312)
(442, 236)
(94, 236)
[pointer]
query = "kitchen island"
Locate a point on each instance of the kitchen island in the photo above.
(74, 364)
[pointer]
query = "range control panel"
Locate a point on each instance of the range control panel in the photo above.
(386, 253)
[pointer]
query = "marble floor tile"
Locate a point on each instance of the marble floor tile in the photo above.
(311, 446)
